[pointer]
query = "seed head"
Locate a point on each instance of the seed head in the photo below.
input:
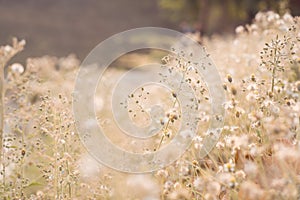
(229, 78)
(233, 91)
(23, 152)
(253, 78)
(17, 68)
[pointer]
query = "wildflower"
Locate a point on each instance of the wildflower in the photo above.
(220, 145)
(256, 124)
(227, 179)
(17, 68)
(22, 43)
(39, 194)
(7, 49)
(184, 171)
(240, 174)
(229, 167)
(252, 96)
(198, 139)
(199, 184)
(287, 17)
(168, 185)
(198, 142)
(230, 104)
(165, 59)
(278, 89)
(68, 63)
(239, 30)
(253, 28)
(233, 183)
(252, 87)
(164, 120)
(172, 115)
(252, 149)
(271, 105)
(231, 128)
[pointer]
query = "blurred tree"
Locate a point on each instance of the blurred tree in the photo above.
(218, 15)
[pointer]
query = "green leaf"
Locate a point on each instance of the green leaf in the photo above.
(34, 184)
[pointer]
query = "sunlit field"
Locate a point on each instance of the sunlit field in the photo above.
(257, 156)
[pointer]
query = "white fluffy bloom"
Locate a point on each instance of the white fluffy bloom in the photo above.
(239, 30)
(7, 49)
(17, 68)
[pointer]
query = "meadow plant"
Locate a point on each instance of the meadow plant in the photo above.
(256, 157)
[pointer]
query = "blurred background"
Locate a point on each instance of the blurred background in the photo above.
(61, 27)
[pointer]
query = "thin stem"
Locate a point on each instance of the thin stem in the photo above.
(2, 158)
(2, 64)
(274, 69)
(17, 47)
(169, 120)
(275, 63)
(22, 164)
(165, 131)
(273, 78)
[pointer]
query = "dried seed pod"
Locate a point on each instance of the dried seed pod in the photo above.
(233, 91)
(253, 78)
(237, 114)
(174, 94)
(229, 78)
(270, 94)
(23, 152)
